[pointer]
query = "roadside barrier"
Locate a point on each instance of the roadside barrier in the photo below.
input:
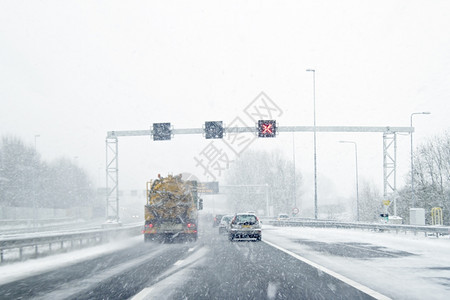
(21, 248)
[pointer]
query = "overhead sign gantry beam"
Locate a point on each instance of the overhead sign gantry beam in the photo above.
(165, 131)
(112, 134)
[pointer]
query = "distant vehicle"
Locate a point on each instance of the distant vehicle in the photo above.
(245, 226)
(217, 219)
(283, 217)
(224, 224)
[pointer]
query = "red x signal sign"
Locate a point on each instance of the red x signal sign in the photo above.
(267, 128)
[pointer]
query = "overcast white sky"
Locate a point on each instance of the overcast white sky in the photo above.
(72, 70)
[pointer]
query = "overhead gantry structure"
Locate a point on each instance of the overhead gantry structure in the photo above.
(265, 128)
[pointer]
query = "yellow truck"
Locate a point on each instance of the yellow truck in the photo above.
(172, 209)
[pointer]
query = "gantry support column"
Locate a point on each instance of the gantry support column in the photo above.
(390, 165)
(112, 178)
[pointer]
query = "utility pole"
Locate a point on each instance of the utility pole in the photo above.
(315, 149)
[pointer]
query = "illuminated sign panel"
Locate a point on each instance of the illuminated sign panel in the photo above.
(267, 128)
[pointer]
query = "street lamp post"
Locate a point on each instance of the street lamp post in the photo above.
(356, 172)
(293, 158)
(35, 138)
(413, 196)
(315, 153)
(34, 183)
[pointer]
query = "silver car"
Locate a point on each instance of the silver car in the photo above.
(245, 226)
(225, 223)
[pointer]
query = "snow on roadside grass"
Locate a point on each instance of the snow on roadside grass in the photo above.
(403, 267)
(14, 271)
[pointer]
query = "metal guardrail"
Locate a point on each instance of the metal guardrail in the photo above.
(78, 239)
(37, 223)
(437, 230)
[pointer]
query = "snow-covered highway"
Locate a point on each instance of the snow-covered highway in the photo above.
(290, 263)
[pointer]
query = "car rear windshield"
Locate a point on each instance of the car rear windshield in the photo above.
(227, 218)
(245, 220)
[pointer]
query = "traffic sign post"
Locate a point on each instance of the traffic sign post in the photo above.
(208, 187)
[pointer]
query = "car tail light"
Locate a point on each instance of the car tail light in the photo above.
(149, 225)
(189, 225)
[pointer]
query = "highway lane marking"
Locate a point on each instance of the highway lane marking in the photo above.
(163, 286)
(179, 262)
(72, 288)
(338, 276)
(144, 294)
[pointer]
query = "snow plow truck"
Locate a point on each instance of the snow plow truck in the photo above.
(171, 212)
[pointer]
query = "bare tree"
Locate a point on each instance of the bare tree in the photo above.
(261, 168)
(370, 204)
(431, 177)
(27, 181)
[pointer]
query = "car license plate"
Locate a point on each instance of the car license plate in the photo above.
(246, 226)
(170, 226)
